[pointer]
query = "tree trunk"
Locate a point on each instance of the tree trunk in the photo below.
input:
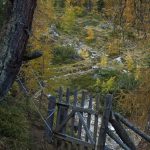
(13, 41)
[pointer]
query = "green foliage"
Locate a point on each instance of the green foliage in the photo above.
(83, 82)
(13, 126)
(127, 81)
(59, 3)
(105, 86)
(68, 20)
(100, 5)
(64, 55)
(113, 81)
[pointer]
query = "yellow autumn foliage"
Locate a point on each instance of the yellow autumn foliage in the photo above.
(129, 61)
(90, 34)
(104, 61)
(136, 103)
(40, 40)
(113, 47)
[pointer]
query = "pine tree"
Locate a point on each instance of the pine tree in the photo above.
(100, 5)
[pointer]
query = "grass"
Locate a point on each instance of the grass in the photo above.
(64, 55)
(14, 127)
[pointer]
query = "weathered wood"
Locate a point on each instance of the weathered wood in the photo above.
(50, 119)
(132, 127)
(96, 119)
(80, 123)
(105, 120)
(65, 109)
(86, 128)
(77, 108)
(117, 140)
(59, 112)
(72, 139)
(73, 118)
(122, 132)
(60, 126)
(89, 116)
(13, 41)
(32, 55)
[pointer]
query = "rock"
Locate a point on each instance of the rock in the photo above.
(105, 26)
(53, 31)
(95, 67)
(118, 60)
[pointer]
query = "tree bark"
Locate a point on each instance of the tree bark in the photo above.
(13, 41)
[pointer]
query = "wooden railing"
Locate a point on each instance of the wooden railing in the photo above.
(73, 123)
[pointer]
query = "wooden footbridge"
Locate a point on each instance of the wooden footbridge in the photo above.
(72, 125)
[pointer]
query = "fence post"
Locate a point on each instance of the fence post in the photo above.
(105, 120)
(50, 118)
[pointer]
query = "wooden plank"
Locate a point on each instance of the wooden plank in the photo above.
(77, 108)
(59, 127)
(65, 109)
(117, 140)
(59, 107)
(96, 118)
(86, 128)
(105, 120)
(60, 94)
(89, 116)
(122, 132)
(50, 119)
(80, 123)
(132, 127)
(67, 96)
(72, 139)
(73, 118)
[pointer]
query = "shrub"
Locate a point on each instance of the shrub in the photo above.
(13, 126)
(90, 34)
(64, 54)
(68, 20)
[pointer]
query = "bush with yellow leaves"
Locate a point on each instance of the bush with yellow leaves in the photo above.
(129, 61)
(90, 34)
(136, 104)
(105, 86)
(68, 20)
(104, 61)
(113, 47)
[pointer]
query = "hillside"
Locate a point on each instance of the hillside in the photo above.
(99, 46)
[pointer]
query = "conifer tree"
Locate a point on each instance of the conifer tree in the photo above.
(100, 5)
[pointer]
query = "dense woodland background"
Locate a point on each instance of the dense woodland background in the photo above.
(102, 46)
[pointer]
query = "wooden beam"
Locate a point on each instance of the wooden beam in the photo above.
(122, 132)
(86, 128)
(132, 127)
(59, 127)
(73, 140)
(117, 140)
(105, 120)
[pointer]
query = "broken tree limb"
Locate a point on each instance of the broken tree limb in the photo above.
(13, 41)
(32, 55)
(117, 140)
(132, 127)
(121, 132)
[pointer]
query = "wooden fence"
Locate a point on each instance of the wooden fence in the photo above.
(73, 125)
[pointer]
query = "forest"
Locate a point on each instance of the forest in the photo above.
(97, 46)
